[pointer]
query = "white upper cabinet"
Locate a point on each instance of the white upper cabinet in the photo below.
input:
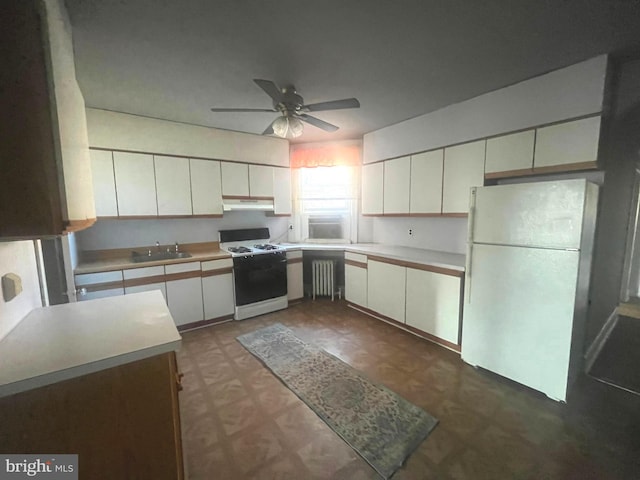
(104, 183)
(397, 173)
(372, 189)
(206, 187)
(510, 152)
(136, 184)
(235, 179)
(173, 185)
(426, 182)
(567, 143)
(282, 191)
(463, 169)
(260, 181)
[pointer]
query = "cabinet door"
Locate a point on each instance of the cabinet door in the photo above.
(260, 181)
(217, 291)
(104, 183)
(295, 288)
(355, 285)
(566, 143)
(433, 303)
(386, 289)
(510, 152)
(463, 169)
(173, 185)
(99, 285)
(426, 182)
(372, 189)
(206, 187)
(145, 272)
(282, 191)
(235, 179)
(184, 296)
(396, 183)
(135, 184)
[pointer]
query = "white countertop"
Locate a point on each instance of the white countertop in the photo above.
(453, 261)
(57, 343)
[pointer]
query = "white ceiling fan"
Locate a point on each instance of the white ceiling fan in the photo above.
(293, 111)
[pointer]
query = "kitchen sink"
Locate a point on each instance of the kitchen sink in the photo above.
(139, 257)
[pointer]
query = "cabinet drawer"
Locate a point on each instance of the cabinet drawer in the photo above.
(102, 277)
(294, 254)
(216, 264)
(182, 267)
(143, 272)
(356, 257)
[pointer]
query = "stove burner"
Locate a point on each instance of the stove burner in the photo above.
(239, 250)
(266, 246)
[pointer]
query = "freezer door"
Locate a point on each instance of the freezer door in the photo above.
(518, 314)
(541, 214)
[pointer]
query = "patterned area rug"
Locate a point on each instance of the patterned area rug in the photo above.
(381, 426)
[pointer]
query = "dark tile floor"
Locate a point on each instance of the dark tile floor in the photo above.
(240, 422)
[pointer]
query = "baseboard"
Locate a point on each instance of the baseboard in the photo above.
(597, 344)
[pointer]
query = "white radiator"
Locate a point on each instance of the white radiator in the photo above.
(323, 278)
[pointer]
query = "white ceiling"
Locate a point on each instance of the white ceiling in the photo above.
(176, 59)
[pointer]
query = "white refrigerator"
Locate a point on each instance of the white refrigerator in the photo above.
(527, 281)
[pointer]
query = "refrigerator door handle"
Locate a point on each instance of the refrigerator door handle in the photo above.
(467, 287)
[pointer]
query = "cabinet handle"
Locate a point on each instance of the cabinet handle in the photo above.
(179, 381)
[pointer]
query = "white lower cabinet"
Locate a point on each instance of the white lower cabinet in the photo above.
(99, 285)
(355, 278)
(184, 295)
(295, 289)
(217, 288)
(433, 303)
(386, 289)
(131, 275)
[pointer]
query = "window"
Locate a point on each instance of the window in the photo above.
(326, 203)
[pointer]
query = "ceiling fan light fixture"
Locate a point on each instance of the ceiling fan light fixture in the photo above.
(287, 127)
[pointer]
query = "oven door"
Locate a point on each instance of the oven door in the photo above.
(260, 277)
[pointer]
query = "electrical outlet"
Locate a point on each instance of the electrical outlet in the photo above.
(410, 231)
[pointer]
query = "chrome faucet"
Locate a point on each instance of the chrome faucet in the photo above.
(158, 246)
(177, 247)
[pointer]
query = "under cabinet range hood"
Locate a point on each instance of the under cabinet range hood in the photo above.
(263, 205)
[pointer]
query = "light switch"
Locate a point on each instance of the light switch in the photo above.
(11, 286)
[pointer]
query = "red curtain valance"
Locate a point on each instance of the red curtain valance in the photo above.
(326, 157)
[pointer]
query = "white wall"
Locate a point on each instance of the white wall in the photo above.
(120, 131)
(442, 234)
(562, 94)
(19, 258)
(106, 234)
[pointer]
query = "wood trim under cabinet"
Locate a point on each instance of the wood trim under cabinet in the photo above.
(203, 323)
(244, 197)
(508, 173)
(96, 287)
(354, 263)
(77, 225)
(567, 167)
(215, 272)
(409, 328)
(456, 214)
(136, 282)
(417, 266)
(182, 275)
(291, 261)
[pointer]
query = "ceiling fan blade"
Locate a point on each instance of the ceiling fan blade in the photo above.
(243, 110)
(316, 122)
(269, 129)
(333, 105)
(270, 89)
